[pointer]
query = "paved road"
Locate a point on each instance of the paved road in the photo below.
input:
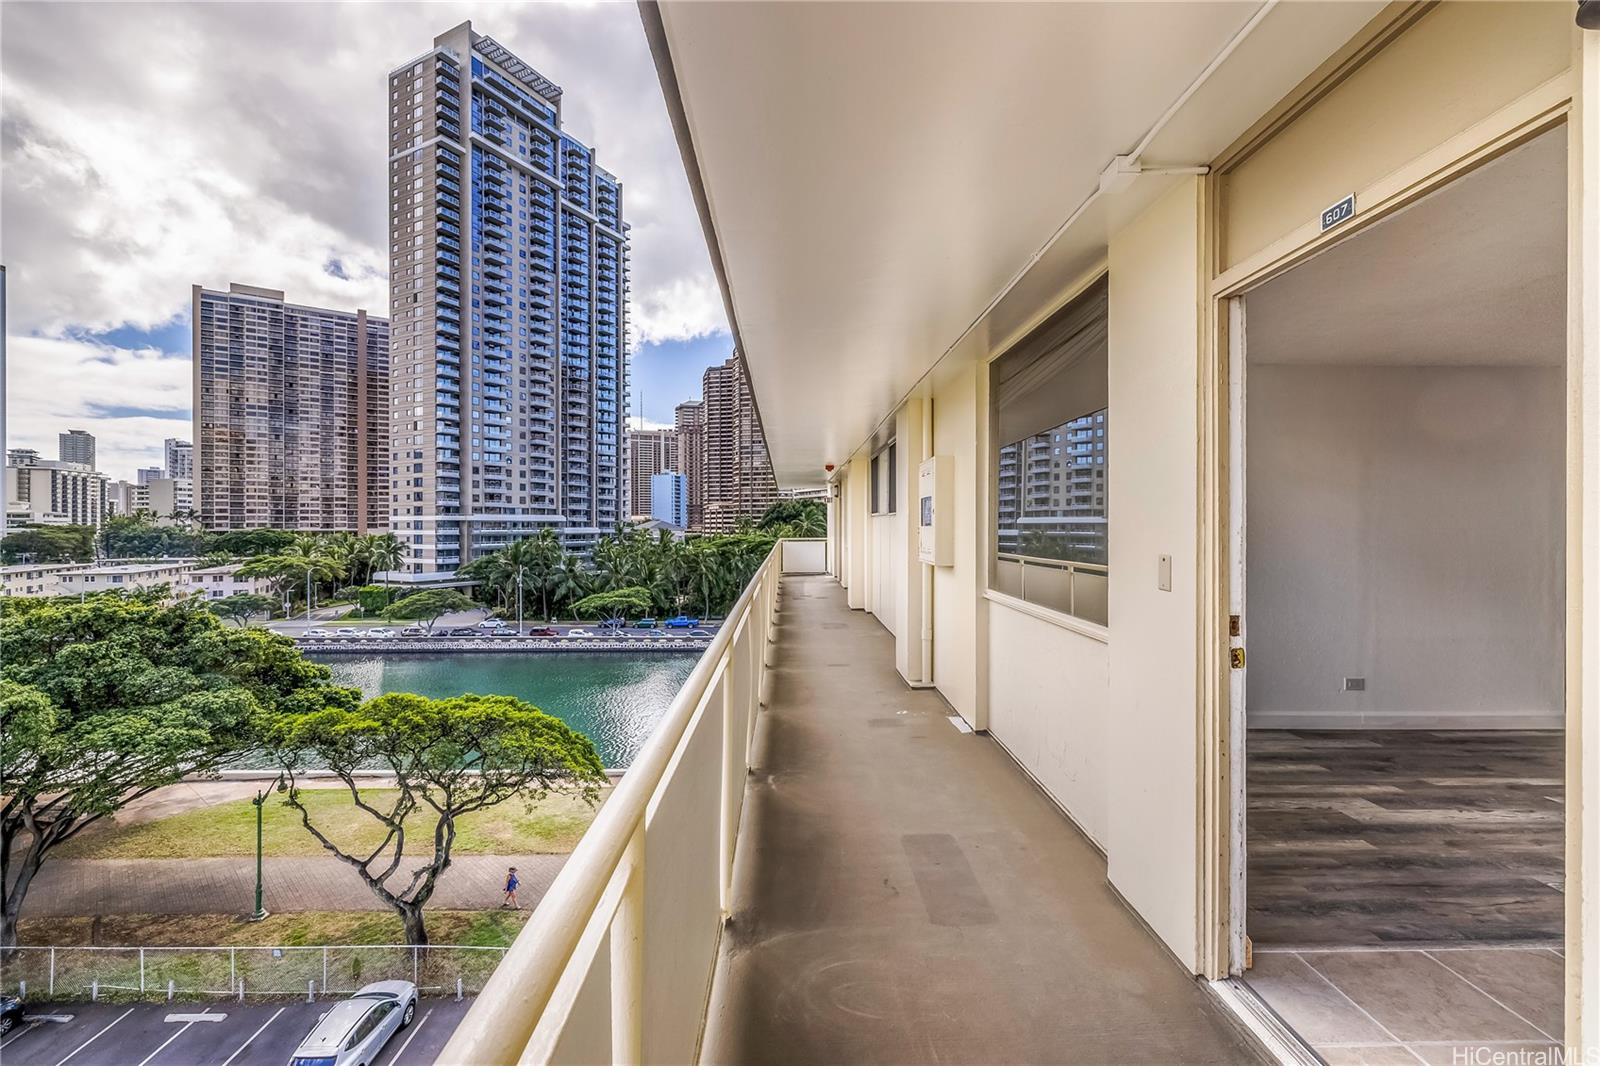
(248, 1034)
(227, 886)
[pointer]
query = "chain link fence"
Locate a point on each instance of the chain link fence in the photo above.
(44, 974)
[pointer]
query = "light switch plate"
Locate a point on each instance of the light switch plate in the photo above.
(1164, 573)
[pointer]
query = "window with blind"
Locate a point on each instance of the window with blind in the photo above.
(1049, 412)
(884, 481)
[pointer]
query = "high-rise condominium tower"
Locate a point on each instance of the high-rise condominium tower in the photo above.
(689, 420)
(77, 446)
(736, 472)
(179, 457)
(508, 294)
(291, 414)
(650, 451)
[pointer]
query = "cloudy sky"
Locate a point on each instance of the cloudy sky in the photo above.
(146, 148)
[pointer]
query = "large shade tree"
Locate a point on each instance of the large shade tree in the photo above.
(241, 607)
(427, 606)
(106, 700)
(448, 758)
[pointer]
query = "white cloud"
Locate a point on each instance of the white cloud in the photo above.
(175, 144)
(635, 422)
(130, 399)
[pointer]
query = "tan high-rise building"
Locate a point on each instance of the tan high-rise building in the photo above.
(291, 414)
(650, 452)
(689, 419)
(736, 473)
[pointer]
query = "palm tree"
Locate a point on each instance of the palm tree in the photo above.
(705, 570)
(385, 552)
(512, 569)
(571, 581)
(545, 558)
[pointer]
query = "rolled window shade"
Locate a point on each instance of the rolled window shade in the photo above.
(1056, 373)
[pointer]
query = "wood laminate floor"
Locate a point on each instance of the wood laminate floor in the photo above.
(1404, 837)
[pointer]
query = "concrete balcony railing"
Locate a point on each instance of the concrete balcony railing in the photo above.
(615, 964)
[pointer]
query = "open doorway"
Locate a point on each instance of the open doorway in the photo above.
(1402, 583)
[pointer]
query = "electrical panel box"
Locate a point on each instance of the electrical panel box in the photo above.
(934, 535)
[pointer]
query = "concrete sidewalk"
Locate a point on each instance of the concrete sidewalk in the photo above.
(68, 887)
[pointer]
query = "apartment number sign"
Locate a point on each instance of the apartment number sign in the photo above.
(1343, 211)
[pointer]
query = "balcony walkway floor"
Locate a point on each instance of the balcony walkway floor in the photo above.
(903, 893)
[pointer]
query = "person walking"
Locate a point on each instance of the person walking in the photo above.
(511, 890)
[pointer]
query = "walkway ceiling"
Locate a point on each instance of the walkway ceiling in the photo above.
(876, 176)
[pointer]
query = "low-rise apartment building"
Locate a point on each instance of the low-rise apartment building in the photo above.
(219, 582)
(36, 579)
(129, 577)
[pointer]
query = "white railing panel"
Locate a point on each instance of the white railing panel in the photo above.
(637, 909)
(805, 556)
(740, 686)
(582, 1034)
(682, 892)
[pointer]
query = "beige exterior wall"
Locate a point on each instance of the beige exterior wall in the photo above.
(1455, 66)
(1122, 726)
(1156, 289)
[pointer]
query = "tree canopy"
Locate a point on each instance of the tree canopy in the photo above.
(49, 544)
(105, 700)
(704, 574)
(241, 606)
(796, 518)
(449, 757)
(426, 606)
(626, 602)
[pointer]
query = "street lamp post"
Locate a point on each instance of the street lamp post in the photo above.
(519, 603)
(261, 803)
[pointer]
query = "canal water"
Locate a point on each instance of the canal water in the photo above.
(614, 698)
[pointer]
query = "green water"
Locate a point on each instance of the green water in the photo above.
(616, 699)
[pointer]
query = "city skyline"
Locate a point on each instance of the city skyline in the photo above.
(97, 347)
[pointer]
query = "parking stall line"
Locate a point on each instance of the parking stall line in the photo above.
(415, 1030)
(253, 1036)
(182, 1029)
(96, 1036)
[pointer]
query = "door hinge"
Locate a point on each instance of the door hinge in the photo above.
(1236, 658)
(1233, 625)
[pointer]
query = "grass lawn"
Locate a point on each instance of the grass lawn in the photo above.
(551, 826)
(473, 928)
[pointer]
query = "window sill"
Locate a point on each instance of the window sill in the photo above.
(1044, 614)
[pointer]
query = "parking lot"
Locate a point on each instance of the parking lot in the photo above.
(248, 1034)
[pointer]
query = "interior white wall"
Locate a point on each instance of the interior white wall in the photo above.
(1404, 524)
(1152, 834)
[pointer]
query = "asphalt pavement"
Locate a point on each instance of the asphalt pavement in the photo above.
(204, 1034)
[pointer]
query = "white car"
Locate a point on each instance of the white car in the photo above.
(317, 633)
(579, 633)
(491, 623)
(380, 633)
(353, 1031)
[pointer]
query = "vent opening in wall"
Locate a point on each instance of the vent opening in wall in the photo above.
(1355, 684)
